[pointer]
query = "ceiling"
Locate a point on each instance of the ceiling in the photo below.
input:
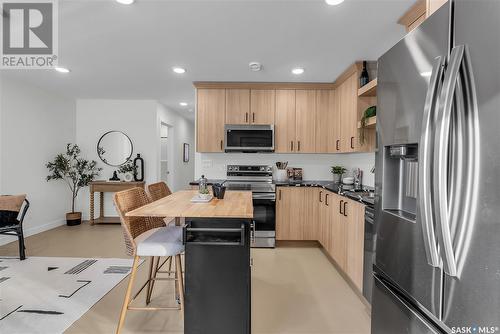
(127, 52)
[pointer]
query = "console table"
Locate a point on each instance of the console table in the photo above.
(107, 187)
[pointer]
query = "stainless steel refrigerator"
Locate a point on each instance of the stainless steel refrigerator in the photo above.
(437, 267)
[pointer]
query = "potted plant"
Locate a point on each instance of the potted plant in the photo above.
(128, 169)
(76, 172)
(337, 172)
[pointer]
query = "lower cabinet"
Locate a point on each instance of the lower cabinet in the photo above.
(337, 222)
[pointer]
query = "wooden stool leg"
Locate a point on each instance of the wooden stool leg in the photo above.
(148, 290)
(180, 280)
(127, 294)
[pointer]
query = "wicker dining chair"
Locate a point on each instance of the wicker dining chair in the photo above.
(158, 190)
(148, 237)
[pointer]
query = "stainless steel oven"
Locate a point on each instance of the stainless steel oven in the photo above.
(258, 179)
(249, 138)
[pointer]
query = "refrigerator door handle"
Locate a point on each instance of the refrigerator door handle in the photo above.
(441, 162)
(425, 163)
(456, 88)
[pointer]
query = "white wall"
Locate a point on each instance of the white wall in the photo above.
(315, 166)
(136, 118)
(35, 125)
(141, 121)
(180, 131)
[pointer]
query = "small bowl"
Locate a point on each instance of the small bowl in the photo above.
(348, 180)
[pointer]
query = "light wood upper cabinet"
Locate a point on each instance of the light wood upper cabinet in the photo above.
(305, 111)
(238, 106)
(262, 106)
(433, 5)
(354, 213)
(284, 130)
(327, 122)
(419, 12)
(348, 95)
(210, 113)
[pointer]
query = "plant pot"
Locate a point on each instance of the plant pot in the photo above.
(336, 178)
(73, 218)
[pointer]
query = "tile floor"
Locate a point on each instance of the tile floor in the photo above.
(295, 290)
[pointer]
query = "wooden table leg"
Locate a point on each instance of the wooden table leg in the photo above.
(101, 205)
(91, 207)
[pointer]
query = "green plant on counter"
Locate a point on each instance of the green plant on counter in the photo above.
(369, 112)
(204, 191)
(338, 170)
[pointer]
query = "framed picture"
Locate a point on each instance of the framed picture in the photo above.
(185, 152)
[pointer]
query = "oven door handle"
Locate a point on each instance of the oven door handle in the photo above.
(270, 196)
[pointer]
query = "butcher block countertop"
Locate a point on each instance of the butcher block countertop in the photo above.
(236, 204)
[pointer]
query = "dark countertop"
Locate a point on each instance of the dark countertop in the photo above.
(328, 185)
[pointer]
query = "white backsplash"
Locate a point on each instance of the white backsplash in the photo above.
(315, 166)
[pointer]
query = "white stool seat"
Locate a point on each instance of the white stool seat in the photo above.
(161, 241)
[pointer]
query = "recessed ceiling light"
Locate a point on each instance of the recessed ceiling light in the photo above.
(426, 74)
(62, 69)
(334, 2)
(179, 70)
(125, 2)
(183, 104)
(298, 70)
(255, 66)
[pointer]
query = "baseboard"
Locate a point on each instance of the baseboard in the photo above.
(5, 239)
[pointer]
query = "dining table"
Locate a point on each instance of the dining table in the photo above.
(217, 259)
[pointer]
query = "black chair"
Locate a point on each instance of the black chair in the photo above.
(11, 223)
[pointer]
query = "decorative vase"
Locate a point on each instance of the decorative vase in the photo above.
(139, 168)
(73, 218)
(337, 178)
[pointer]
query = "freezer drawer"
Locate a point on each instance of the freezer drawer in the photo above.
(392, 315)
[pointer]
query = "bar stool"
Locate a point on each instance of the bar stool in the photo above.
(148, 237)
(158, 190)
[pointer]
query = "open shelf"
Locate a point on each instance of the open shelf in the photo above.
(370, 89)
(370, 123)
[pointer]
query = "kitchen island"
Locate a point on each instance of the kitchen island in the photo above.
(217, 258)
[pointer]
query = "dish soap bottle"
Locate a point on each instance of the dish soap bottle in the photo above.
(202, 185)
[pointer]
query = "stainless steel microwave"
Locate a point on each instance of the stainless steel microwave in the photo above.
(249, 138)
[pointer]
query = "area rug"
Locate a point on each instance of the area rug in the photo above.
(47, 294)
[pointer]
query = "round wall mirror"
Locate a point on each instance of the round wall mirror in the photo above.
(114, 148)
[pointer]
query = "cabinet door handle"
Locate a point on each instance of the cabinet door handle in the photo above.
(345, 212)
(298, 145)
(221, 145)
(279, 194)
(320, 199)
(253, 117)
(246, 117)
(337, 142)
(340, 206)
(326, 199)
(291, 146)
(352, 142)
